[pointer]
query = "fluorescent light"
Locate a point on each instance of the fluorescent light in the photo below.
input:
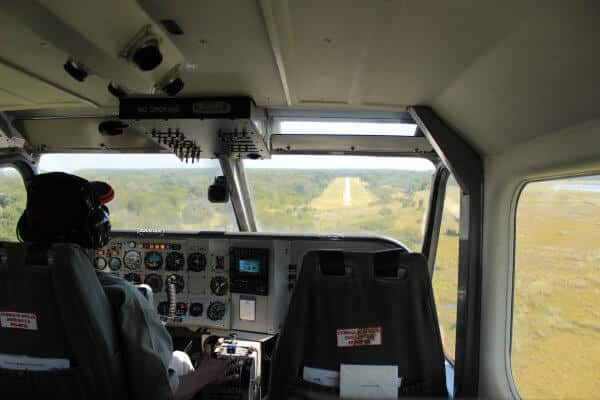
(346, 128)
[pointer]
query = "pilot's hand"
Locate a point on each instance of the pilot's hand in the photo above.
(218, 371)
(209, 371)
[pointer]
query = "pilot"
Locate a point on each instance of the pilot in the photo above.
(59, 209)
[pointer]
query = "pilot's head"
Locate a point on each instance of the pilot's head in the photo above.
(66, 208)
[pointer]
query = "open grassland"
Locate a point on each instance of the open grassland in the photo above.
(556, 328)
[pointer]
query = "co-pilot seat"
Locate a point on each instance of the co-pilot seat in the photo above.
(388, 292)
(52, 309)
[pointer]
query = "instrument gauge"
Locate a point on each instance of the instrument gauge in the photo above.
(196, 309)
(175, 261)
(219, 286)
(216, 311)
(196, 262)
(155, 282)
(153, 260)
(114, 263)
(132, 259)
(100, 263)
(134, 278)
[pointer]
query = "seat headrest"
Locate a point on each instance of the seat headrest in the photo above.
(332, 263)
(386, 265)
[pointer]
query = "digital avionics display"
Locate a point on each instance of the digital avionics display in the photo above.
(249, 266)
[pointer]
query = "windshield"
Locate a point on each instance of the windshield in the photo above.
(385, 196)
(152, 191)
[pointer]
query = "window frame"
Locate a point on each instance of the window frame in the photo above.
(510, 295)
(435, 214)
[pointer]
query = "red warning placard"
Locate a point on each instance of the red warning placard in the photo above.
(17, 320)
(354, 337)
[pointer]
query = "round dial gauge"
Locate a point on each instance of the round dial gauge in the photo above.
(219, 285)
(196, 262)
(216, 311)
(114, 263)
(196, 309)
(175, 261)
(177, 280)
(153, 260)
(134, 278)
(100, 263)
(155, 282)
(132, 260)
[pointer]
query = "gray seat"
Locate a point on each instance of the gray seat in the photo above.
(69, 317)
(336, 291)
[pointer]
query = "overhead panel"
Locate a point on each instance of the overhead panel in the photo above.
(82, 135)
(226, 48)
(190, 128)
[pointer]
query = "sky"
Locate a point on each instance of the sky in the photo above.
(74, 162)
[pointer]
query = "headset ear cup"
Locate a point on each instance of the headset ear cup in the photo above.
(98, 228)
(23, 232)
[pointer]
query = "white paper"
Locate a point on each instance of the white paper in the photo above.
(9, 361)
(247, 308)
(369, 381)
(324, 377)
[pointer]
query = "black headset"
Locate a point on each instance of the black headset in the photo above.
(94, 232)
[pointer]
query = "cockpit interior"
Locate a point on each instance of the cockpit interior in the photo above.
(344, 199)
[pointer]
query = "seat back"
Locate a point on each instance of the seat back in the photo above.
(385, 297)
(52, 307)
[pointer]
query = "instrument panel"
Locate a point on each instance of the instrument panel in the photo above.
(199, 270)
(239, 282)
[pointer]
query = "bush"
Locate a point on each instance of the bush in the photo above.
(452, 232)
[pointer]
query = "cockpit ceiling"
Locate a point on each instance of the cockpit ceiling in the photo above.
(500, 72)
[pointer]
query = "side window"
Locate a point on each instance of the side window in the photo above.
(13, 198)
(556, 323)
(445, 275)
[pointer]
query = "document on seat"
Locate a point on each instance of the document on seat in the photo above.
(22, 363)
(324, 377)
(369, 381)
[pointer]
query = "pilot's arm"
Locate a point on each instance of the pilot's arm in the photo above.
(148, 349)
(146, 344)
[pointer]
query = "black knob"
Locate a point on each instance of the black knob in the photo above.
(76, 71)
(173, 87)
